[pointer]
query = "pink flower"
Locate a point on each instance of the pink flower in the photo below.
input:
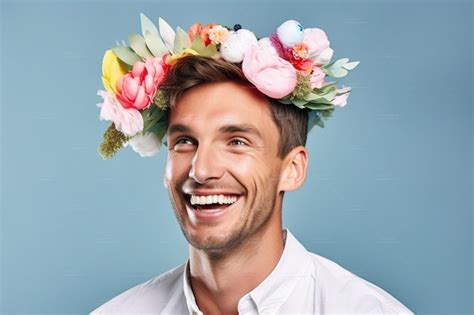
(127, 120)
(272, 75)
(316, 40)
(317, 78)
(341, 100)
(137, 88)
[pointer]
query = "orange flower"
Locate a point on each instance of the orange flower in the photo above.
(194, 30)
(205, 33)
(300, 51)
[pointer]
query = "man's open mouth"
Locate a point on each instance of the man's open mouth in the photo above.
(210, 202)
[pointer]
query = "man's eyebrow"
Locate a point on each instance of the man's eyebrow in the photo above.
(178, 128)
(233, 128)
(243, 128)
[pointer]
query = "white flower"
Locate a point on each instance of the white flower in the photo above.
(290, 33)
(324, 57)
(237, 44)
(127, 120)
(266, 43)
(146, 145)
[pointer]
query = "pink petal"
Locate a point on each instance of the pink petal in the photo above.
(131, 87)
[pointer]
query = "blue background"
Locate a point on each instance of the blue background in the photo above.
(389, 194)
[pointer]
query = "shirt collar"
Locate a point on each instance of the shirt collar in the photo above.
(188, 292)
(274, 290)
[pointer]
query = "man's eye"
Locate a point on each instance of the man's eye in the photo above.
(238, 142)
(183, 141)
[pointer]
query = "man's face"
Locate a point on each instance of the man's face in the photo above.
(222, 147)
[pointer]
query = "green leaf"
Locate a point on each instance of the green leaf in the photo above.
(138, 45)
(319, 99)
(127, 55)
(152, 37)
(181, 40)
(203, 50)
(311, 96)
(158, 129)
(330, 95)
(284, 101)
(327, 88)
(340, 62)
(323, 97)
(319, 106)
(351, 65)
(325, 114)
(151, 116)
(166, 33)
(319, 123)
(336, 72)
(299, 103)
(147, 25)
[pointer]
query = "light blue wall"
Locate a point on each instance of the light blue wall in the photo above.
(389, 195)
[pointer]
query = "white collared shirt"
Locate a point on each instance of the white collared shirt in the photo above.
(301, 283)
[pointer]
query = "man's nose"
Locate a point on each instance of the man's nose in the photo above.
(206, 164)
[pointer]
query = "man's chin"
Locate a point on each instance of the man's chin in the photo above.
(212, 241)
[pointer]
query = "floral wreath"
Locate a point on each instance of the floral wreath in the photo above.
(290, 66)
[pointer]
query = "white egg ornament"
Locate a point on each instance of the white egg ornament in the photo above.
(290, 33)
(237, 44)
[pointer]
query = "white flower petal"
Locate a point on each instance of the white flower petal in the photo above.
(146, 145)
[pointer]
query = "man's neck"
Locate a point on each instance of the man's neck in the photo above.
(218, 284)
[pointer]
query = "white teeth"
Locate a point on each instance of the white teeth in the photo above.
(210, 199)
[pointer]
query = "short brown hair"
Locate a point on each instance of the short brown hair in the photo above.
(190, 71)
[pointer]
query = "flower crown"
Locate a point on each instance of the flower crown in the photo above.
(290, 65)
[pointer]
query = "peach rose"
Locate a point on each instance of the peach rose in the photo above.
(205, 33)
(194, 30)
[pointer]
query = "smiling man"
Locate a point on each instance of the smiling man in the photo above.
(232, 154)
(236, 130)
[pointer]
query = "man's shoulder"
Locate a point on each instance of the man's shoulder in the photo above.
(148, 297)
(340, 290)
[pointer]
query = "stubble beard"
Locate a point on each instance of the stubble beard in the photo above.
(219, 246)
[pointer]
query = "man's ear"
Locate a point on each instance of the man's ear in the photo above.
(294, 170)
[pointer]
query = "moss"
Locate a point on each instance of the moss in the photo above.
(112, 141)
(161, 99)
(302, 88)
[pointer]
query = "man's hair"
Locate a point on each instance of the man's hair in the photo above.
(190, 71)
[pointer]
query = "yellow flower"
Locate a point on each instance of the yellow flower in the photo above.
(112, 69)
(171, 60)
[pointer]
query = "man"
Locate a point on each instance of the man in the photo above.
(233, 152)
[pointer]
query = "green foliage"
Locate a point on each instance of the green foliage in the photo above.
(152, 37)
(126, 54)
(138, 44)
(203, 50)
(181, 41)
(338, 68)
(112, 141)
(151, 116)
